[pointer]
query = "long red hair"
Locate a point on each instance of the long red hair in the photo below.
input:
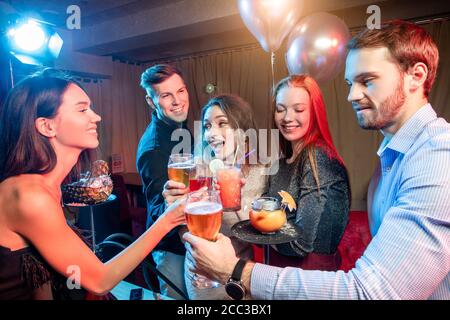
(318, 133)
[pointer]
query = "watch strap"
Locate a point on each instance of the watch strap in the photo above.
(237, 271)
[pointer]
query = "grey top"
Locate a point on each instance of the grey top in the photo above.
(322, 215)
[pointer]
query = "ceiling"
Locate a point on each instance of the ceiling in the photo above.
(140, 31)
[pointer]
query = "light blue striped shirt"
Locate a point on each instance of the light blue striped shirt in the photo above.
(409, 255)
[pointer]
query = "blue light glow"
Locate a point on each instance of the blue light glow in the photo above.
(29, 37)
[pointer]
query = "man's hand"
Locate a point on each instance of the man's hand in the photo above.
(173, 191)
(181, 231)
(215, 260)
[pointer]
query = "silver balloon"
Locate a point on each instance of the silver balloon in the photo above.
(270, 21)
(317, 46)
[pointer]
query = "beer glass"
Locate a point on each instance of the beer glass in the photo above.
(204, 217)
(180, 166)
(200, 177)
(229, 180)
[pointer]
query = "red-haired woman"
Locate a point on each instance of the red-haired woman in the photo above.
(312, 171)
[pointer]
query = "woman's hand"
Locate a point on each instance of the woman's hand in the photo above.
(174, 214)
(173, 191)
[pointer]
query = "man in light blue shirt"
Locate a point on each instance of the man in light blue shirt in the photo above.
(390, 72)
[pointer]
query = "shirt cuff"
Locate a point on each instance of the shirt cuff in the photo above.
(263, 281)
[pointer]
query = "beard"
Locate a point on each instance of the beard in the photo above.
(384, 116)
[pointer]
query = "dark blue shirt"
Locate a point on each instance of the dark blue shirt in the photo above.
(152, 157)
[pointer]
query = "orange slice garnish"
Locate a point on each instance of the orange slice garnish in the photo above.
(287, 199)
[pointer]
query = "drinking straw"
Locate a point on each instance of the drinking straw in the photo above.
(235, 155)
(246, 155)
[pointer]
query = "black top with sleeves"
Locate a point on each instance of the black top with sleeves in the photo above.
(322, 215)
(152, 158)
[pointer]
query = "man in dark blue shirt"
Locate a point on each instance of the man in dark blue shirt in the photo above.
(167, 133)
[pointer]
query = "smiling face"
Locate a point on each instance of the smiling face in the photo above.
(170, 98)
(75, 124)
(293, 112)
(377, 90)
(218, 133)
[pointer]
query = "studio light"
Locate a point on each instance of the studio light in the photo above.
(29, 37)
(33, 42)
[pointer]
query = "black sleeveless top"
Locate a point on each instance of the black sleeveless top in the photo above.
(21, 272)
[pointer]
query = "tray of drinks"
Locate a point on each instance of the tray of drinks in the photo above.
(244, 231)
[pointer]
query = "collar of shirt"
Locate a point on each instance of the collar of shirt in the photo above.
(408, 133)
(167, 123)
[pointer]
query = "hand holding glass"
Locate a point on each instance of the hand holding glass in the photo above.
(204, 217)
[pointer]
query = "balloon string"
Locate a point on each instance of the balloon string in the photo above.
(273, 74)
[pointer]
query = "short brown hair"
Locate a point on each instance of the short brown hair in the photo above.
(157, 74)
(407, 43)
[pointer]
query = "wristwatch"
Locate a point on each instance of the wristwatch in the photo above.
(234, 287)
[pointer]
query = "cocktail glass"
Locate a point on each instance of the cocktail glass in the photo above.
(200, 177)
(229, 180)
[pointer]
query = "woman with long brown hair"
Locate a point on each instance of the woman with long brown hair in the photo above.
(229, 133)
(313, 172)
(46, 123)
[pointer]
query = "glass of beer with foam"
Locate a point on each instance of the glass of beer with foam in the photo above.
(180, 166)
(204, 217)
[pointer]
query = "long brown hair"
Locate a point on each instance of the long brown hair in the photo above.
(318, 133)
(238, 112)
(22, 148)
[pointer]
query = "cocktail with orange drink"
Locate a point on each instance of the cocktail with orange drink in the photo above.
(229, 180)
(268, 215)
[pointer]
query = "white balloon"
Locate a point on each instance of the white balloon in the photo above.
(270, 21)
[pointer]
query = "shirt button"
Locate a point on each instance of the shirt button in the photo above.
(388, 169)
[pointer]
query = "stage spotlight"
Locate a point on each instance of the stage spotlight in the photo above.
(54, 45)
(33, 42)
(29, 37)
